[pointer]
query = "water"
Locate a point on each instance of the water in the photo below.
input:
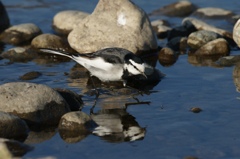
(172, 131)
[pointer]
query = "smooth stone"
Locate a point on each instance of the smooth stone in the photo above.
(216, 47)
(30, 75)
(73, 99)
(200, 25)
(211, 12)
(12, 127)
(4, 19)
(177, 9)
(51, 41)
(65, 21)
(199, 38)
(236, 76)
(19, 54)
(16, 148)
(19, 34)
(118, 23)
(236, 33)
(35, 103)
(167, 56)
(178, 44)
(161, 28)
(229, 60)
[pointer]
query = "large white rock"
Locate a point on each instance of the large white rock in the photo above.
(114, 23)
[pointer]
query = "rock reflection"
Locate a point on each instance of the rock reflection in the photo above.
(197, 60)
(117, 125)
(236, 76)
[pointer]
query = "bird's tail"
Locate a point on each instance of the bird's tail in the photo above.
(50, 51)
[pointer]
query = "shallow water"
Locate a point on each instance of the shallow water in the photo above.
(172, 131)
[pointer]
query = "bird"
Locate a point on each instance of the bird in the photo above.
(109, 64)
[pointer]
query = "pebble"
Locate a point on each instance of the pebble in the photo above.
(12, 127)
(211, 12)
(196, 110)
(216, 47)
(177, 9)
(19, 34)
(30, 75)
(35, 103)
(124, 25)
(4, 19)
(65, 21)
(167, 56)
(199, 38)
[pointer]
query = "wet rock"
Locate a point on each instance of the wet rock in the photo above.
(167, 56)
(17, 149)
(216, 47)
(229, 60)
(74, 126)
(236, 76)
(200, 25)
(178, 9)
(4, 19)
(236, 33)
(161, 28)
(211, 12)
(119, 23)
(12, 127)
(19, 54)
(30, 75)
(182, 31)
(35, 103)
(65, 21)
(51, 41)
(19, 34)
(199, 38)
(196, 110)
(178, 44)
(73, 99)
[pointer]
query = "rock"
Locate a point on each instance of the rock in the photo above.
(158, 22)
(74, 126)
(211, 12)
(12, 127)
(19, 54)
(196, 110)
(30, 75)
(35, 103)
(4, 19)
(4, 152)
(229, 60)
(51, 41)
(118, 23)
(65, 21)
(17, 149)
(199, 38)
(236, 33)
(73, 99)
(161, 28)
(182, 31)
(200, 25)
(216, 47)
(19, 34)
(178, 44)
(178, 9)
(236, 76)
(167, 56)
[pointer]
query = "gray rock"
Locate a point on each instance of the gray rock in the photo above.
(17, 149)
(19, 54)
(236, 33)
(216, 47)
(200, 25)
(35, 103)
(51, 41)
(211, 12)
(179, 9)
(19, 34)
(200, 38)
(118, 23)
(4, 19)
(65, 21)
(30, 75)
(12, 127)
(161, 28)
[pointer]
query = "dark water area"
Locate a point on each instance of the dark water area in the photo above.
(172, 130)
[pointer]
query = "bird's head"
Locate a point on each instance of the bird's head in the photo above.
(136, 66)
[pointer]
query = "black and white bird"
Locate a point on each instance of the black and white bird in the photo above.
(110, 64)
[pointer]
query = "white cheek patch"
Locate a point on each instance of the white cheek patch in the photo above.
(140, 67)
(121, 20)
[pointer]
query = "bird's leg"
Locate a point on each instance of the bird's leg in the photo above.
(96, 93)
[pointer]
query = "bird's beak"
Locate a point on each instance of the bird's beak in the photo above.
(144, 75)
